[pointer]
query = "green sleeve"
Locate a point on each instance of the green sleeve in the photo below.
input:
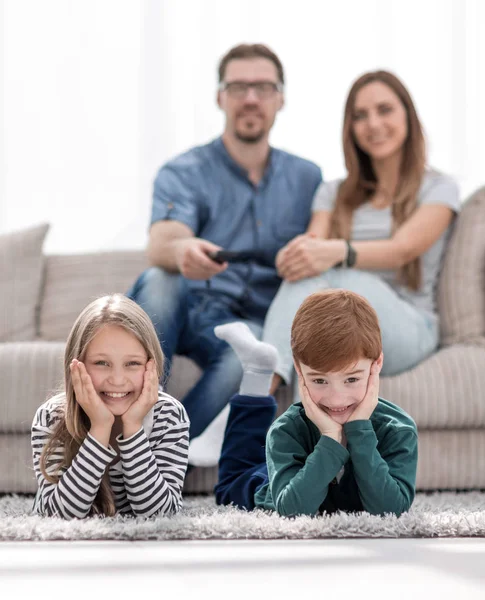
(300, 473)
(386, 479)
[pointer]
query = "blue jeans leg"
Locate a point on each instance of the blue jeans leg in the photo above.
(164, 297)
(184, 321)
(242, 466)
(222, 371)
(408, 335)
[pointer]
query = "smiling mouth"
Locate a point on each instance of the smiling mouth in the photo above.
(337, 411)
(115, 395)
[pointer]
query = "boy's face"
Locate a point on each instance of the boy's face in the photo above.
(338, 393)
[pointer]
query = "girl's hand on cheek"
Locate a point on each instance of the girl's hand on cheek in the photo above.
(133, 418)
(324, 422)
(99, 415)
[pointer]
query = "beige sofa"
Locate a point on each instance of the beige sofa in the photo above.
(445, 394)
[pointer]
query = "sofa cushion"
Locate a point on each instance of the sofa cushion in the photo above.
(21, 262)
(29, 373)
(72, 281)
(443, 392)
(461, 291)
(17, 472)
(451, 459)
(33, 371)
(185, 374)
(448, 459)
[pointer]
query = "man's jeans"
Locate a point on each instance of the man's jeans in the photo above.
(184, 322)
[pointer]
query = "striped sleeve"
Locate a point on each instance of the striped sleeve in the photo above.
(154, 468)
(73, 496)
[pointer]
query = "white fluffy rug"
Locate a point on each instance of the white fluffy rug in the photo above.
(437, 515)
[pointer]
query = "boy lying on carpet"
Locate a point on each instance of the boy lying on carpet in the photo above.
(111, 441)
(342, 447)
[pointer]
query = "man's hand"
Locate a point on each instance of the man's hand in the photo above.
(132, 419)
(99, 415)
(365, 409)
(192, 258)
(324, 422)
(308, 256)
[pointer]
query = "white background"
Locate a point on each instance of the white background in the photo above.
(97, 94)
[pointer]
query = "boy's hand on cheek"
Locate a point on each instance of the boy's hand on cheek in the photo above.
(365, 409)
(324, 422)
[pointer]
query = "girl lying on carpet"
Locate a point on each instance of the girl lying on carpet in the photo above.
(342, 447)
(111, 441)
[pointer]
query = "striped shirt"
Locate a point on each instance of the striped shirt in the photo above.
(146, 481)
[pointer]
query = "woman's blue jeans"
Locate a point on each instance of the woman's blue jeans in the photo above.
(408, 335)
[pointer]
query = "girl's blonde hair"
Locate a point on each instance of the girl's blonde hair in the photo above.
(361, 181)
(73, 428)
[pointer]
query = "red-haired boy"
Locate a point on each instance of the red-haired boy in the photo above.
(340, 448)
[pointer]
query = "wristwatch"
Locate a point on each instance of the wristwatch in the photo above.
(350, 259)
(351, 255)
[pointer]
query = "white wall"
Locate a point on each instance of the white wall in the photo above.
(71, 121)
(98, 94)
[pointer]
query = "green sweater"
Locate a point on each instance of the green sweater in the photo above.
(379, 463)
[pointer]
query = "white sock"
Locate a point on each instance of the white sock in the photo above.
(205, 450)
(258, 359)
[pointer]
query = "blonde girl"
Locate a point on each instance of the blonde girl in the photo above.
(111, 441)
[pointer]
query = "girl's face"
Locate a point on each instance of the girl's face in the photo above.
(338, 393)
(379, 121)
(115, 360)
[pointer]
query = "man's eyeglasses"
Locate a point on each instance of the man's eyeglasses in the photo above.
(239, 89)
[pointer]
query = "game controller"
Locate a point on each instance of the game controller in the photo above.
(239, 256)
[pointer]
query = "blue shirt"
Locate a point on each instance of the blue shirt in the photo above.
(209, 192)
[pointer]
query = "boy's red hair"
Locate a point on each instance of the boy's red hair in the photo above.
(334, 329)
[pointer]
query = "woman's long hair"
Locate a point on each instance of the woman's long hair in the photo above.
(71, 431)
(361, 181)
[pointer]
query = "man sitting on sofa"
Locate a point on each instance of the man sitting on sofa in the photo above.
(235, 193)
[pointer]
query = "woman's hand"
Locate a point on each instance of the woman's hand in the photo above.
(133, 418)
(308, 256)
(324, 422)
(365, 409)
(99, 415)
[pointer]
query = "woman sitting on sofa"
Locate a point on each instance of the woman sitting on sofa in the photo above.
(380, 232)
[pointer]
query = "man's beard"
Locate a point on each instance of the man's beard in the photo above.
(250, 138)
(249, 135)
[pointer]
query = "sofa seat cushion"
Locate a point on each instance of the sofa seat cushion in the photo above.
(33, 371)
(29, 373)
(443, 392)
(17, 472)
(183, 377)
(448, 459)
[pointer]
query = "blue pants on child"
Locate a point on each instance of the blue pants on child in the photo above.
(242, 466)
(184, 321)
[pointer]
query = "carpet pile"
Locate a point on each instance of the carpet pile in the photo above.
(444, 514)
